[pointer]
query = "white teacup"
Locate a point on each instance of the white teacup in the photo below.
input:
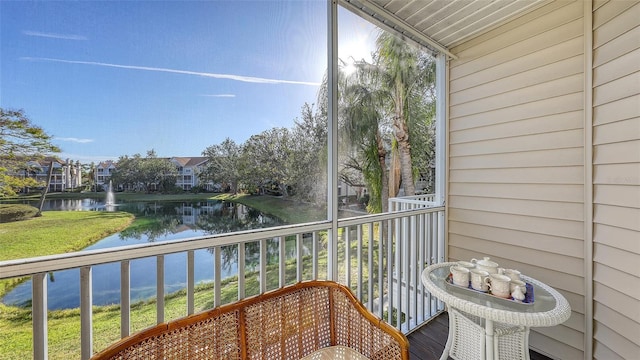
(516, 283)
(478, 280)
(500, 285)
(460, 275)
(512, 274)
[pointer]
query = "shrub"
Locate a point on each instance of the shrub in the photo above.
(172, 189)
(198, 189)
(16, 212)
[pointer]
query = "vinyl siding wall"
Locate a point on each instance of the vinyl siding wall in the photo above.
(516, 157)
(616, 179)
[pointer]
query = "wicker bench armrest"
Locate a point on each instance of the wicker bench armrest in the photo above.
(359, 329)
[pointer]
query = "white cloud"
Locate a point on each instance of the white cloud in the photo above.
(249, 79)
(220, 95)
(54, 36)
(76, 140)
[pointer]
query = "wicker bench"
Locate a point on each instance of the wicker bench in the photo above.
(287, 323)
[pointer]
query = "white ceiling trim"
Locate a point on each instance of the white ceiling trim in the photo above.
(479, 25)
(440, 25)
(387, 20)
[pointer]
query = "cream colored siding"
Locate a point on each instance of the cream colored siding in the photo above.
(516, 157)
(616, 177)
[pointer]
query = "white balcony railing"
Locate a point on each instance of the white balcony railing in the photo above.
(412, 202)
(382, 266)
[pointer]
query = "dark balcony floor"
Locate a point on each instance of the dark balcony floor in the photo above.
(427, 343)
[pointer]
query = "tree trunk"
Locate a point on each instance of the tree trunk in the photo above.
(46, 190)
(407, 170)
(234, 186)
(401, 133)
(404, 153)
(384, 191)
(395, 174)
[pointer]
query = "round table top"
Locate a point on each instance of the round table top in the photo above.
(549, 307)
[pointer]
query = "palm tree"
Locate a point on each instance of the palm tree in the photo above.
(362, 124)
(402, 76)
(384, 106)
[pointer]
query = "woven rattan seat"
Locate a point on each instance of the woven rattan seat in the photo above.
(287, 323)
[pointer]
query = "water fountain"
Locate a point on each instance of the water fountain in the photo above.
(111, 198)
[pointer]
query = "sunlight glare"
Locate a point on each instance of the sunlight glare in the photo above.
(356, 49)
(349, 67)
(356, 41)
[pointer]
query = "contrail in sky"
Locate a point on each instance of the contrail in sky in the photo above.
(54, 36)
(219, 95)
(72, 139)
(249, 79)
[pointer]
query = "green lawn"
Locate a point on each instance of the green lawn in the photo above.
(56, 232)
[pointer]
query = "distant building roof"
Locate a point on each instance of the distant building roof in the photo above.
(190, 161)
(106, 164)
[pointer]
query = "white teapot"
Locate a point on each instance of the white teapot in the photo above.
(487, 265)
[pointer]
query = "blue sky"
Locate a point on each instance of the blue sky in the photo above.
(111, 78)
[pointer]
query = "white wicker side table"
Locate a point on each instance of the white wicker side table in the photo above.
(482, 327)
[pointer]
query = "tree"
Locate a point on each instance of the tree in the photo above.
(404, 76)
(46, 190)
(362, 125)
(158, 171)
(148, 173)
(266, 161)
(223, 164)
(309, 161)
(19, 138)
(126, 174)
(387, 108)
(9, 185)
(20, 143)
(89, 175)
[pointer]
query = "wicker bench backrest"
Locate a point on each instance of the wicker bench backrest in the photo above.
(287, 323)
(288, 326)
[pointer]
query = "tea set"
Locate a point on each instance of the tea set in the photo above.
(486, 276)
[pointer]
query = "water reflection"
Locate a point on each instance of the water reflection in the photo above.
(211, 217)
(157, 222)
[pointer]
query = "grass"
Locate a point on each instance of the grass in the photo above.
(59, 232)
(56, 232)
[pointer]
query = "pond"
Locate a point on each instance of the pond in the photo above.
(170, 221)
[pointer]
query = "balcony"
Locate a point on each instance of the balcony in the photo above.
(540, 151)
(379, 257)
